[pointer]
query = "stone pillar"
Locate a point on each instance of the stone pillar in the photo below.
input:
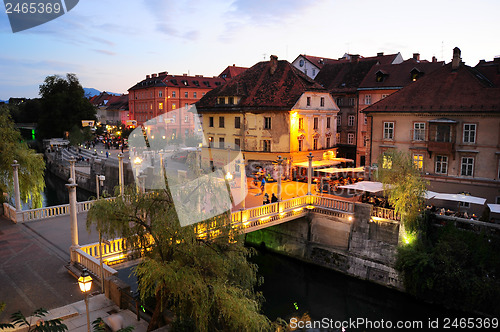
(73, 218)
(72, 174)
(243, 183)
(121, 181)
(17, 192)
(280, 162)
(309, 173)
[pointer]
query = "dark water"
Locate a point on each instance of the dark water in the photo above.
(56, 192)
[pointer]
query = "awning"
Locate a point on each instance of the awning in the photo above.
(369, 186)
(334, 170)
(494, 208)
(430, 194)
(317, 163)
(460, 198)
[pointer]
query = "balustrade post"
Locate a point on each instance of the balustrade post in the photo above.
(309, 173)
(73, 217)
(17, 192)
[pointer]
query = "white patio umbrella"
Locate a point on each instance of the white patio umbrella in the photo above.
(460, 198)
(369, 186)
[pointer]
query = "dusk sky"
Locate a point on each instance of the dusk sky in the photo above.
(110, 45)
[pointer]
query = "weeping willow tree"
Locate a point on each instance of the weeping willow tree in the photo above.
(31, 164)
(404, 185)
(207, 283)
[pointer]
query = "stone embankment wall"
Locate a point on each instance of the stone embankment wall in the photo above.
(361, 248)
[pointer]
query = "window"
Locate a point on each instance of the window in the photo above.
(419, 131)
(364, 140)
(173, 94)
(365, 119)
(315, 124)
(237, 143)
(211, 141)
(174, 106)
(350, 138)
(350, 120)
(350, 101)
(195, 95)
(160, 106)
(211, 121)
(441, 164)
(173, 118)
(221, 142)
(186, 132)
(418, 160)
(186, 105)
(337, 138)
(221, 100)
(301, 123)
(301, 144)
(221, 122)
(388, 130)
(322, 102)
(308, 101)
(314, 72)
(186, 94)
(267, 122)
(160, 93)
(230, 100)
(237, 122)
(339, 121)
(469, 133)
(328, 123)
(368, 99)
(202, 94)
(467, 168)
(339, 101)
(266, 145)
(186, 118)
(315, 144)
(327, 142)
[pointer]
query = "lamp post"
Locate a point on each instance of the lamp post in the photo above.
(309, 173)
(73, 217)
(121, 181)
(17, 192)
(280, 162)
(99, 182)
(85, 283)
(137, 163)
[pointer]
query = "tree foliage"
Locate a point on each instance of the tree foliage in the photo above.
(208, 284)
(63, 106)
(31, 165)
(404, 185)
(40, 325)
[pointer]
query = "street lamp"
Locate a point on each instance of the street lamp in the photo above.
(99, 182)
(137, 163)
(85, 283)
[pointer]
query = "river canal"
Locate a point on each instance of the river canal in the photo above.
(295, 289)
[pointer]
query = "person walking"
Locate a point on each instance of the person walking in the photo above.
(263, 184)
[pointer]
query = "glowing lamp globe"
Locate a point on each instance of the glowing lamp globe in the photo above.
(85, 281)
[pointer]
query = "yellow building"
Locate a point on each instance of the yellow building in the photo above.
(271, 109)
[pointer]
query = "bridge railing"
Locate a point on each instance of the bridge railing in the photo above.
(93, 264)
(384, 213)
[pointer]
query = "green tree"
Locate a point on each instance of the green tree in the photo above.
(63, 106)
(207, 283)
(31, 165)
(403, 184)
(40, 325)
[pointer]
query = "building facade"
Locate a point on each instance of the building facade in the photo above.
(449, 121)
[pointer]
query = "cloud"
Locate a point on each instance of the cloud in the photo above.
(105, 52)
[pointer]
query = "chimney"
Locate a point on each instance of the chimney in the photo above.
(355, 58)
(273, 64)
(455, 62)
(434, 59)
(416, 56)
(380, 54)
(153, 75)
(147, 76)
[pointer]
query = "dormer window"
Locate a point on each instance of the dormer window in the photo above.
(230, 100)
(415, 74)
(380, 76)
(221, 100)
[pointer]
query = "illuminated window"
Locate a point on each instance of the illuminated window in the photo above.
(301, 123)
(174, 106)
(160, 106)
(266, 145)
(315, 144)
(418, 160)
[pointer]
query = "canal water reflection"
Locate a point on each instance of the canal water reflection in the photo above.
(56, 193)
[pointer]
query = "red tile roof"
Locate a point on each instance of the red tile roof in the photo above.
(118, 103)
(164, 80)
(101, 99)
(344, 76)
(261, 89)
(397, 76)
(491, 70)
(444, 90)
(232, 71)
(317, 60)
(321, 61)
